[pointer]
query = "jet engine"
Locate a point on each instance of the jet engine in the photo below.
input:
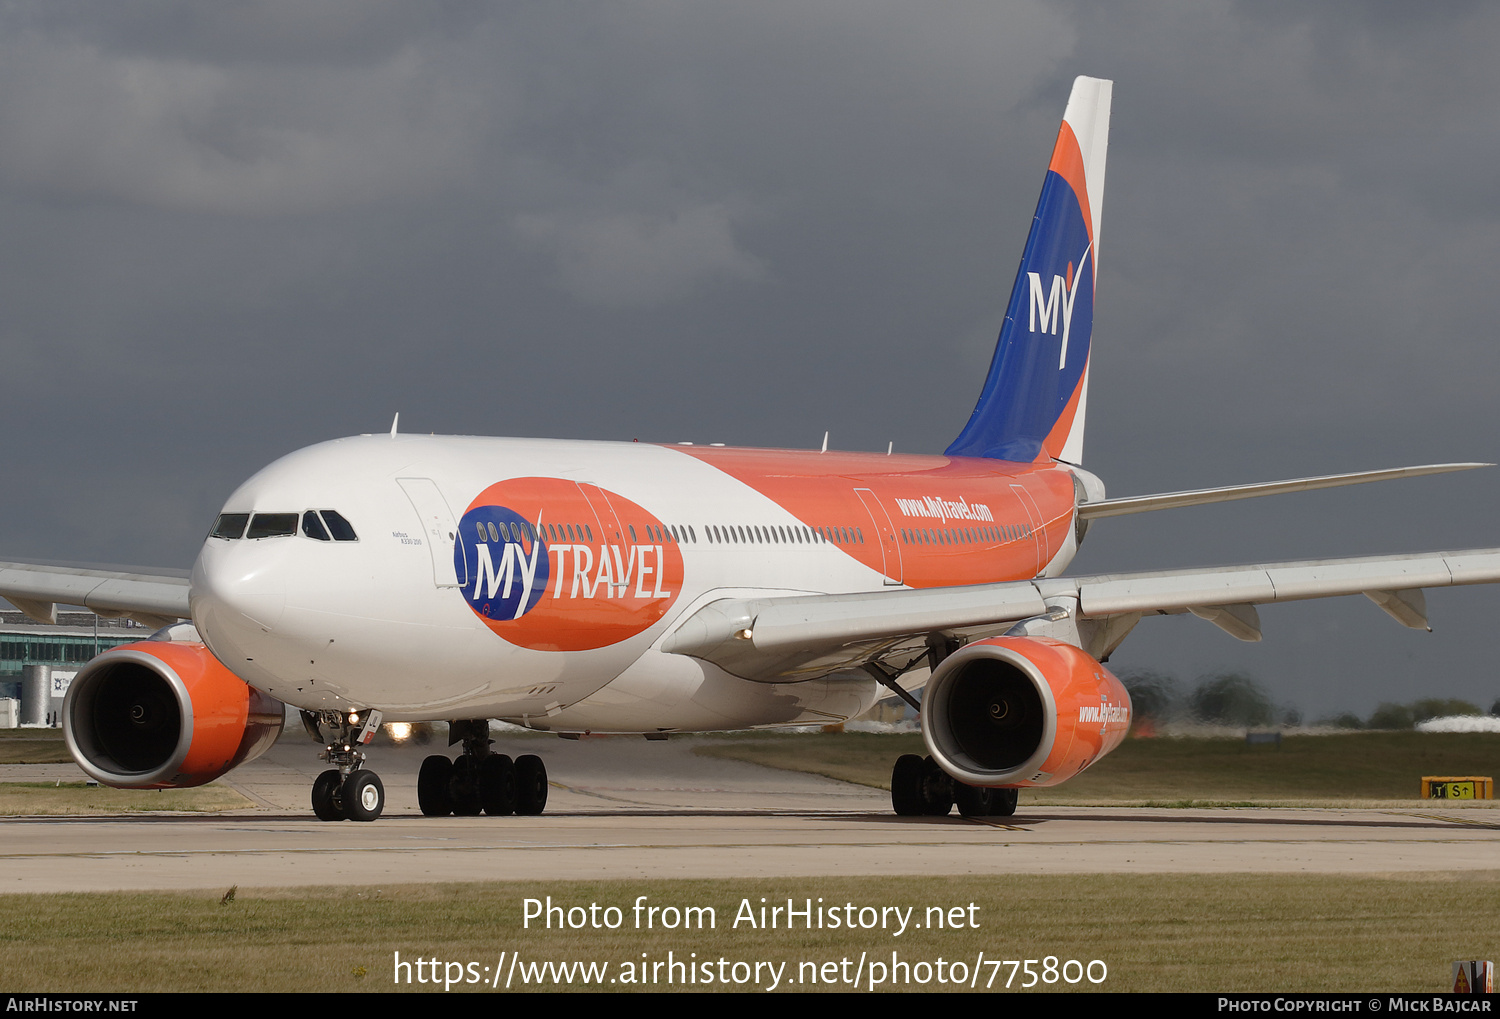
(1021, 711)
(165, 714)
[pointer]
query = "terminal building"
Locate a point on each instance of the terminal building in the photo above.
(51, 653)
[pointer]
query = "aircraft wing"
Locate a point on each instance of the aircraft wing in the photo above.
(786, 639)
(153, 599)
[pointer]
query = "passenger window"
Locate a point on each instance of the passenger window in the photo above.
(230, 525)
(340, 528)
(272, 525)
(312, 526)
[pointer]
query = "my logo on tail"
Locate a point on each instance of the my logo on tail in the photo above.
(1056, 305)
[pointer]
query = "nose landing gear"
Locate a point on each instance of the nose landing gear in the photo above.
(346, 791)
(480, 781)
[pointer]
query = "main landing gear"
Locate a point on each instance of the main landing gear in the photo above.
(346, 791)
(919, 786)
(480, 781)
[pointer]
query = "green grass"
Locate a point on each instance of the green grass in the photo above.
(1197, 771)
(1155, 932)
(33, 746)
(52, 798)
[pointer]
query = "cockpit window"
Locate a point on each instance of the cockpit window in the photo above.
(230, 525)
(338, 526)
(272, 525)
(313, 527)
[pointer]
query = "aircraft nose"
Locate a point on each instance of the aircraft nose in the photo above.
(238, 588)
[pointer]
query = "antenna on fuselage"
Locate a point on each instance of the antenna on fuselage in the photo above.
(891, 448)
(394, 422)
(825, 443)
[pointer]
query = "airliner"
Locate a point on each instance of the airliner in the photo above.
(631, 588)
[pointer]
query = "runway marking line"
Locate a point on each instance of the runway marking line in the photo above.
(1462, 820)
(995, 824)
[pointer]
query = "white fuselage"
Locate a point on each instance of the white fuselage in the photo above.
(393, 620)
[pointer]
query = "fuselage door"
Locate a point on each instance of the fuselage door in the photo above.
(438, 530)
(890, 547)
(1038, 533)
(610, 530)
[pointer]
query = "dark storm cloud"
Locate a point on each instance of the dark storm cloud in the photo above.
(232, 230)
(275, 32)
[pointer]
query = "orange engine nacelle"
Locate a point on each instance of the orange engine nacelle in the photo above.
(1021, 711)
(165, 714)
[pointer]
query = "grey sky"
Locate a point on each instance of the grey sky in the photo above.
(234, 230)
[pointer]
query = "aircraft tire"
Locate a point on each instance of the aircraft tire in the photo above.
(463, 787)
(531, 785)
(327, 796)
(497, 785)
(432, 786)
(906, 786)
(937, 789)
(364, 796)
(973, 801)
(1003, 804)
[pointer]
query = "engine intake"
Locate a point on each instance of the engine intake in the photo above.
(165, 714)
(1021, 711)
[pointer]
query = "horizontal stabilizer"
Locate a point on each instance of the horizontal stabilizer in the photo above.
(1204, 496)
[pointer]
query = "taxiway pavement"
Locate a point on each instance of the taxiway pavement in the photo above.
(630, 809)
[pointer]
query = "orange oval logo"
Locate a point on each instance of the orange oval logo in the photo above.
(556, 565)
